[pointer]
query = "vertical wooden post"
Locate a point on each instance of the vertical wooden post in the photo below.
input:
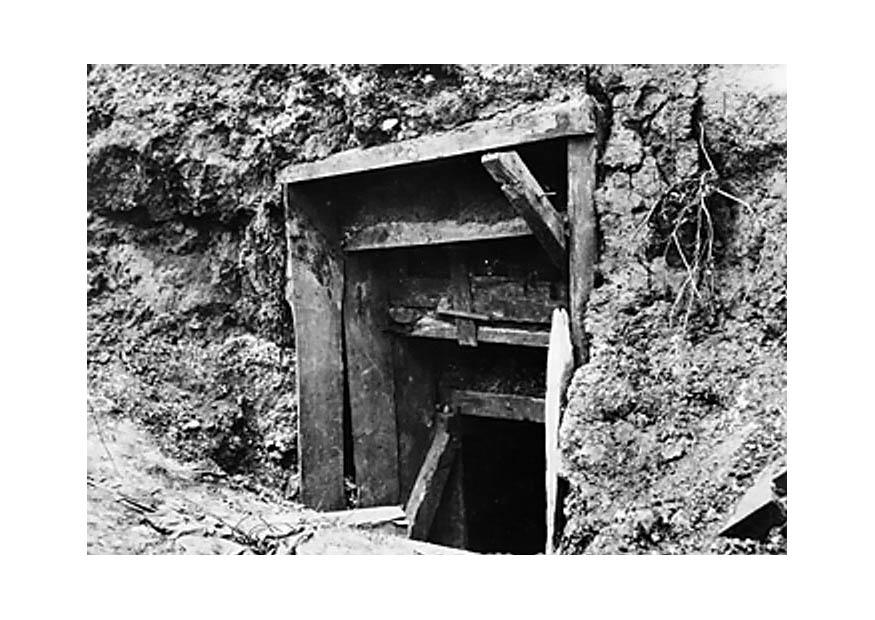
(462, 300)
(371, 380)
(582, 243)
(415, 399)
(314, 290)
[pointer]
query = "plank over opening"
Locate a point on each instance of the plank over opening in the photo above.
(529, 200)
(517, 127)
(514, 299)
(429, 486)
(371, 381)
(387, 235)
(582, 246)
(314, 290)
(429, 327)
(501, 406)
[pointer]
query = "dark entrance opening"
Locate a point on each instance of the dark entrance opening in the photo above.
(503, 484)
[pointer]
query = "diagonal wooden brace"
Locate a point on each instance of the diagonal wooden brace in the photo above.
(529, 200)
(429, 486)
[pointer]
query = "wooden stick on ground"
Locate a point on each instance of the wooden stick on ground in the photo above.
(560, 364)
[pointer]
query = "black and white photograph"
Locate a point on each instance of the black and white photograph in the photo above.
(436, 309)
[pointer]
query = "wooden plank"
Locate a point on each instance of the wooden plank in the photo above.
(450, 526)
(430, 481)
(529, 200)
(501, 406)
(314, 290)
(371, 381)
(582, 240)
(387, 235)
(560, 365)
(365, 517)
(429, 327)
(461, 292)
(500, 297)
(517, 127)
(415, 399)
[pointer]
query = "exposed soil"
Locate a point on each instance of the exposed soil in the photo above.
(142, 502)
(190, 338)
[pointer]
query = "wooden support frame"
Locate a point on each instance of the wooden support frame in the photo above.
(430, 482)
(582, 250)
(529, 200)
(314, 290)
(518, 127)
(338, 297)
(370, 375)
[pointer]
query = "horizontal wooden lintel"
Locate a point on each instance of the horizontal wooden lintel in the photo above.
(429, 327)
(572, 118)
(387, 235)
(501, 406)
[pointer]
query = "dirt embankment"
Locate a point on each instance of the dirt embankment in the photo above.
(188, 330)
(684, 399)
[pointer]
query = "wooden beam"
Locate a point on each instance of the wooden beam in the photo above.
(582, 233)
(529, 200)
(450, 525)
(365, 517)
(388, 235)
(501, 406)
(371, 381)
(429, 486)
(429, 327)
(462, 301)
(517, 127)
(415, 399)
(314, 290)
(512, 299)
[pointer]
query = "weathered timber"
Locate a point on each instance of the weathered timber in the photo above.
(450, 525)
(430, 481)
(387, 235)
(497, 297)
(582, 233)
(529, 200)
(518, 127)
(461, 289)
(429, 327)
(501, 406)
(371, 381)
(560, 365)
(314, 290)
(366, 517)
(415, 398)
